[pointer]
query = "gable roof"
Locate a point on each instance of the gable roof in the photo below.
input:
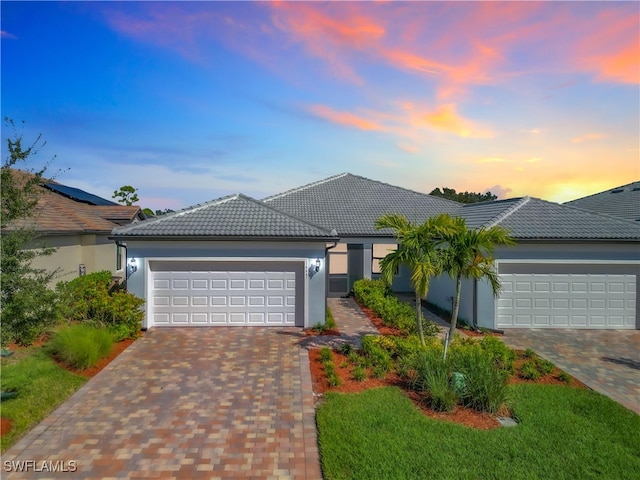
(533, 218)
(233, 216)
(622, 202)
(58, 214)
(350, 204)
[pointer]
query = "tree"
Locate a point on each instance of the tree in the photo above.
(463, 197)
(127, 195)
(28, 305)
(468, 254)
(418, 250)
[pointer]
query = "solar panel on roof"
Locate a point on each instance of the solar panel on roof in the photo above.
(78, 195)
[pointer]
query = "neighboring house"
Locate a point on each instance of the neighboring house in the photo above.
(214, 263)
(622, 202)
(78, 225)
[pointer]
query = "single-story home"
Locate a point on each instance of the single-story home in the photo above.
(242, 261)
(78, 224)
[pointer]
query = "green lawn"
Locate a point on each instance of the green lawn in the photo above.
(42, 386)
(564, 433)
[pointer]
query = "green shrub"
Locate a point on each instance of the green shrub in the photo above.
(529, 353)
(355, 358)
(503, 357)
(334, 380)
(378, 356)
(433, 376)
(345, 348)
(329, 369)
(365, 290)
(379, 371)
(545, 367)
(326, 355)
(96, 299)
(485, 385)
(565, 377)
(529, 370)
(80, 346)
(359, 374)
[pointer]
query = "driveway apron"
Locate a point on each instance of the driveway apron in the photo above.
(204, 402)
(608, 361)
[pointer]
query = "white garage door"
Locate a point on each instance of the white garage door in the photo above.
(567, 301)
(183, 298)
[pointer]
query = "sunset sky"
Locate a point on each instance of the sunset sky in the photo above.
(190, 101)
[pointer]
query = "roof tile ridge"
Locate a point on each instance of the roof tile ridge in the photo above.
(304, 187)
(284, 214)
(508, 212)
(600, 193)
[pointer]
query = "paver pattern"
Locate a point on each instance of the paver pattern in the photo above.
(608, 361)
(188, 403)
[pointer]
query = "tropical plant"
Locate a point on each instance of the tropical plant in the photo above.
(468, 254)
(418, 250)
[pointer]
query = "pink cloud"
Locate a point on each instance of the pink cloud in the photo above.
(344, 118)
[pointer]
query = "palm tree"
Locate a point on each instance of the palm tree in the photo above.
(418, 250)
(469, 255)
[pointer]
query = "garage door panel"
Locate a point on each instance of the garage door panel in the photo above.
(567, 300)
(234, 297)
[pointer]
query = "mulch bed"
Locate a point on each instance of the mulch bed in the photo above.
(321, 333)
(379, 323)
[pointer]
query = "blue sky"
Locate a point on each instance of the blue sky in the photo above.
(190, 101)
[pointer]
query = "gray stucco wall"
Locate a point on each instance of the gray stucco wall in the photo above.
(143, 251)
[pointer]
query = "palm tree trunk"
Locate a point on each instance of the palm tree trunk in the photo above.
(454, 313)
(419, 318)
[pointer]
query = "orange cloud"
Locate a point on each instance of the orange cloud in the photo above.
(344, 118)
(588, 136)
(446, 118)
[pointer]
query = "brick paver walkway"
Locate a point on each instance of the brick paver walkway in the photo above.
(606, 360)
(215, 403)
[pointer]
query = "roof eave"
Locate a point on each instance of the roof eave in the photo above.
(234, 238)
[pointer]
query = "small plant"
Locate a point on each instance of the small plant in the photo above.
(80, 346)
(329, 323)
(318, 328)
(344, 364)
(379, 371)
(565, 377)
(359, 374)
(334, 380)
(354, 358)
(528, 353)
(503, 356)
(529, 370)
(345, 348)
(545, 367)
(326, 355)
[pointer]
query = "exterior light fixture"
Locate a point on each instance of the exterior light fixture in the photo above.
(317, 264)
(133, 267)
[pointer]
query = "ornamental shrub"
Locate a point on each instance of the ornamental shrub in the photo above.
(503, 357)
(80, 346)
(96, 299)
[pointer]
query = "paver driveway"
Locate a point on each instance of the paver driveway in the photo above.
(606, 360)
(221, 402)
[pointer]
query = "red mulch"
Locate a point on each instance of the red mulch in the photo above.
(461, 415)
(475, 333)
(379, 323)
(5, 426)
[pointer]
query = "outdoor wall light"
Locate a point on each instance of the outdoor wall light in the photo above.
(317, 265)
(133, 267)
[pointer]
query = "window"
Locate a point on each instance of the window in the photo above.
(338, 260)
(379, 251)
(120, 260)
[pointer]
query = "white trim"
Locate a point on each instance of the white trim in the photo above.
(147, 274)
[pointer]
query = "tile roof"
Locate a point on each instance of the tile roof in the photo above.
(622, 202)
(532, 218)
(231, 216)
(58, 214)
(350, 204)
